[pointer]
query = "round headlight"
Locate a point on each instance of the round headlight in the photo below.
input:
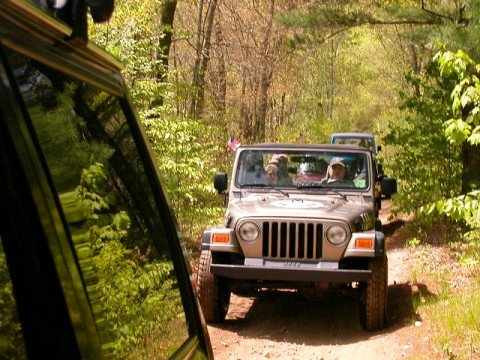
(249, 231)
(336, 235)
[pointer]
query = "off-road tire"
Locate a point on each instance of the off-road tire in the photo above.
(213, 291)
(373, 305)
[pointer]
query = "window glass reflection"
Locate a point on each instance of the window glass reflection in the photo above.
(11, 339)
(107, 201)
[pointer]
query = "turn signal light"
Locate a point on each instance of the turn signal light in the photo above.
(220, 238)
(364, 243)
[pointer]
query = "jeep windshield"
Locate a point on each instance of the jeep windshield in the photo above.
(303, 169)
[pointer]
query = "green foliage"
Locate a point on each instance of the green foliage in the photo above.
(132, 292)
(456, 322)
(461, 208)
(136, 294)
(465, 122)
(331, 14)
(335, 89)
(64, 149)
(11, 338)
(133, 35)
(427, 166)
(464, 126)
(91, 181)
(413, 242)
(59, 132)
(188, 157)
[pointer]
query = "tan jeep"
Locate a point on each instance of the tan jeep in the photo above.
(315, 228)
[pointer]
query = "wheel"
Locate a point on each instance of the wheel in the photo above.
(373, 304)
(213, 291)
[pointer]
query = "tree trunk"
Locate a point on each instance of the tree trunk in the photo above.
(198, 56)
(245, 110)
(167, 16)
(416, 67)
(221, 91)
(331, 80)
(266, 76)
(201, 62)
(471, 167)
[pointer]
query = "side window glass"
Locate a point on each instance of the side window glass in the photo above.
(11, 339)
(113, 219)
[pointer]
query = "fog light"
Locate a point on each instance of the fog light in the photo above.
(220, 238)
(364, 243)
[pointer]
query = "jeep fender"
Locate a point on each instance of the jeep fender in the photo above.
(220, 240)
(206, 239)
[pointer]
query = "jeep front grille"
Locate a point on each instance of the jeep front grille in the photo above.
(292, 240)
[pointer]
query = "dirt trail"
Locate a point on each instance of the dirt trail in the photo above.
(286, 325)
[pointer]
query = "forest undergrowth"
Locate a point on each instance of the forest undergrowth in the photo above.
(445, 271)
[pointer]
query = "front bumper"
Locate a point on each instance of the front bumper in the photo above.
(290, 271)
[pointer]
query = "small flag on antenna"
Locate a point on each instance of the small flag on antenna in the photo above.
(233, 143)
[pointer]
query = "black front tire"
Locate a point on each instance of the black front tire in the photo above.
(213, 291)
(373, 304)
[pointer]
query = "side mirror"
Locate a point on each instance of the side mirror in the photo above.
(389, 186)
(74, 13)
(101, 10)
(220, 182)
(379, 169)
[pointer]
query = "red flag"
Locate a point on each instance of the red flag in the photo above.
(233, 143)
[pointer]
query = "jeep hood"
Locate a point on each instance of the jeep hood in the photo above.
(331, 206)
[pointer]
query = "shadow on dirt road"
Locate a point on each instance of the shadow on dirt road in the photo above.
(287, 325)
(285, 316)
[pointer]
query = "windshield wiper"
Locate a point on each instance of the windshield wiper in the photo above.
(284, 193)
(270, 187)
(310, 185)
(318, 185)
(253, 185)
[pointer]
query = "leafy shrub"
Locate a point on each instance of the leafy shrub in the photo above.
(139, 297)
(11, 338)
(427, 166)
(188, 160)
